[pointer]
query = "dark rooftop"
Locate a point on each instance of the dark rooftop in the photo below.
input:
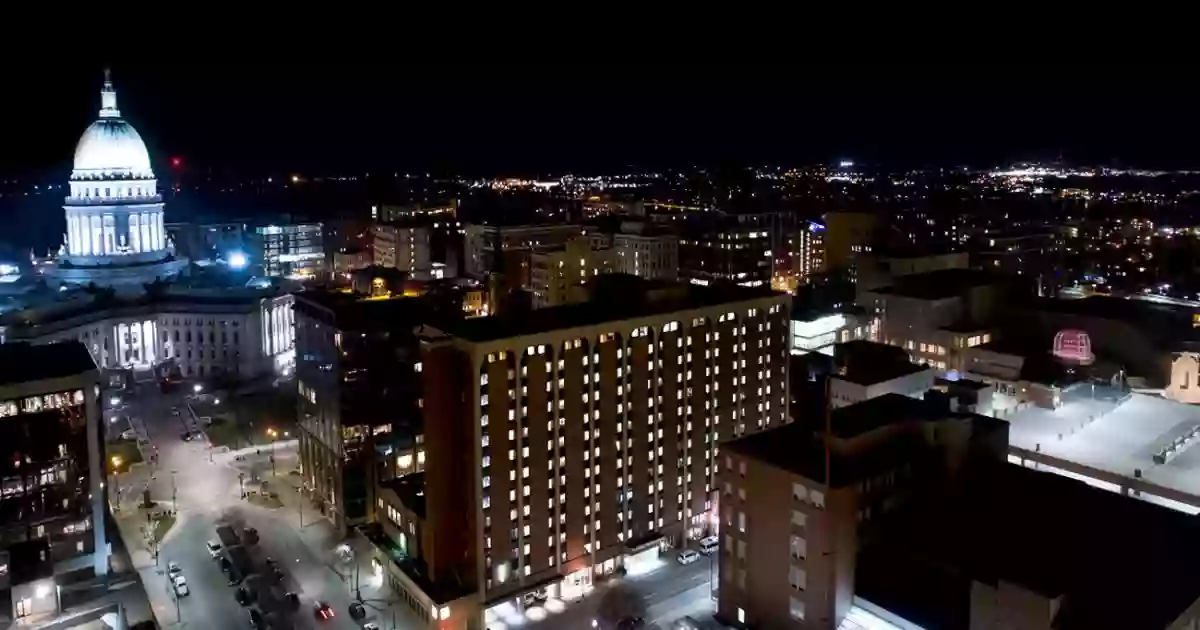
(410, 489)
(1059, 537)
(796, 448)
(605, 306)
(353, 312)
(23, 363)
(867, 363)
(936, 285)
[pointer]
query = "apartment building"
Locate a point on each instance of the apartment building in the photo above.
(402, 247)
(795, 506)
(570, 441)
(53, 471)
(349, 352)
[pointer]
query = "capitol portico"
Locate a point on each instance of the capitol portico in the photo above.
(114, 214)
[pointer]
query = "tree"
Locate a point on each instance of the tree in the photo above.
(621, 608)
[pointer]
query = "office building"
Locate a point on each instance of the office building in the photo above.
(557, 275)
(402, 247)
(53, 470)
(936, 315)
(726, 253)
(392, 213)
(354, 361)
(570, 441)
(848, 234)
(795, 506)
(645, 254)
(193, 334)
(294, 251)
(483, 243)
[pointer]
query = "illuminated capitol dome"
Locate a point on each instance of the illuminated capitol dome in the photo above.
(114, 214)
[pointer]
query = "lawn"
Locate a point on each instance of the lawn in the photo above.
(125, 452)
(224, 432)
(162, 526)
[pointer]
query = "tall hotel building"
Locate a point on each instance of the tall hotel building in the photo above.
(591, 430)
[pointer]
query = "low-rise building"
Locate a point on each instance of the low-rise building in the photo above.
(796, 505)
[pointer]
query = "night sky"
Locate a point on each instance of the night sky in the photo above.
(529, 119)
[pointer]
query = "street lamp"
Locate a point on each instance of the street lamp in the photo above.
(197, 388)
(274, 435)
(116, 465)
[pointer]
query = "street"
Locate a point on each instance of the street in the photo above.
(670, 592)
(203, 488)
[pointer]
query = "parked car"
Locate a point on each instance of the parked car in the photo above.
(370, 625)
(251, 535)
(214, 549)
(243, 595)
(256, 619)
(129, 434)
(688, 556)
(173, 569)
(181, 587)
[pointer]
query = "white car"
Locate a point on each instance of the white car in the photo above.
(129, 434)
(173, 569)
(688, 556)
(214, 549)
(181, 587)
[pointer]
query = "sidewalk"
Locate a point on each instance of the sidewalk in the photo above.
(132, 523)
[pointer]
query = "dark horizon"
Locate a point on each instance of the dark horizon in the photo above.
(485, 120)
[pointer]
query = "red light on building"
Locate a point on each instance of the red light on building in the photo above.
(1074, 346)
(176, 162)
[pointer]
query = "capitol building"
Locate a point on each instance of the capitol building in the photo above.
(118, 287)
(114, 214)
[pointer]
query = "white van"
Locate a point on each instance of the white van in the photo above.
(709, 545)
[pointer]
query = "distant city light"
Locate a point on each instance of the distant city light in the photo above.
(237, 260)
(846, 164)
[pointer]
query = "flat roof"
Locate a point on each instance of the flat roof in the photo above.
(354, 312)
(1116, 562)
(867, 363)
(603, 308)
(800, 449)
(410, 489)
(1114, 437)
(24, 363)
(936, 285)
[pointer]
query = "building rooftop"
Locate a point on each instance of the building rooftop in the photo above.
(636, 298)
(354, 312)
(24, 363)
(868, 363)
(941, 284)
(1114, 436)
(410, 489)
(797, 448)
(1111, 561)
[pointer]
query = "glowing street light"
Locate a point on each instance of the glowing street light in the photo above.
(237, 260)
(197, 388)
(116, 461)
